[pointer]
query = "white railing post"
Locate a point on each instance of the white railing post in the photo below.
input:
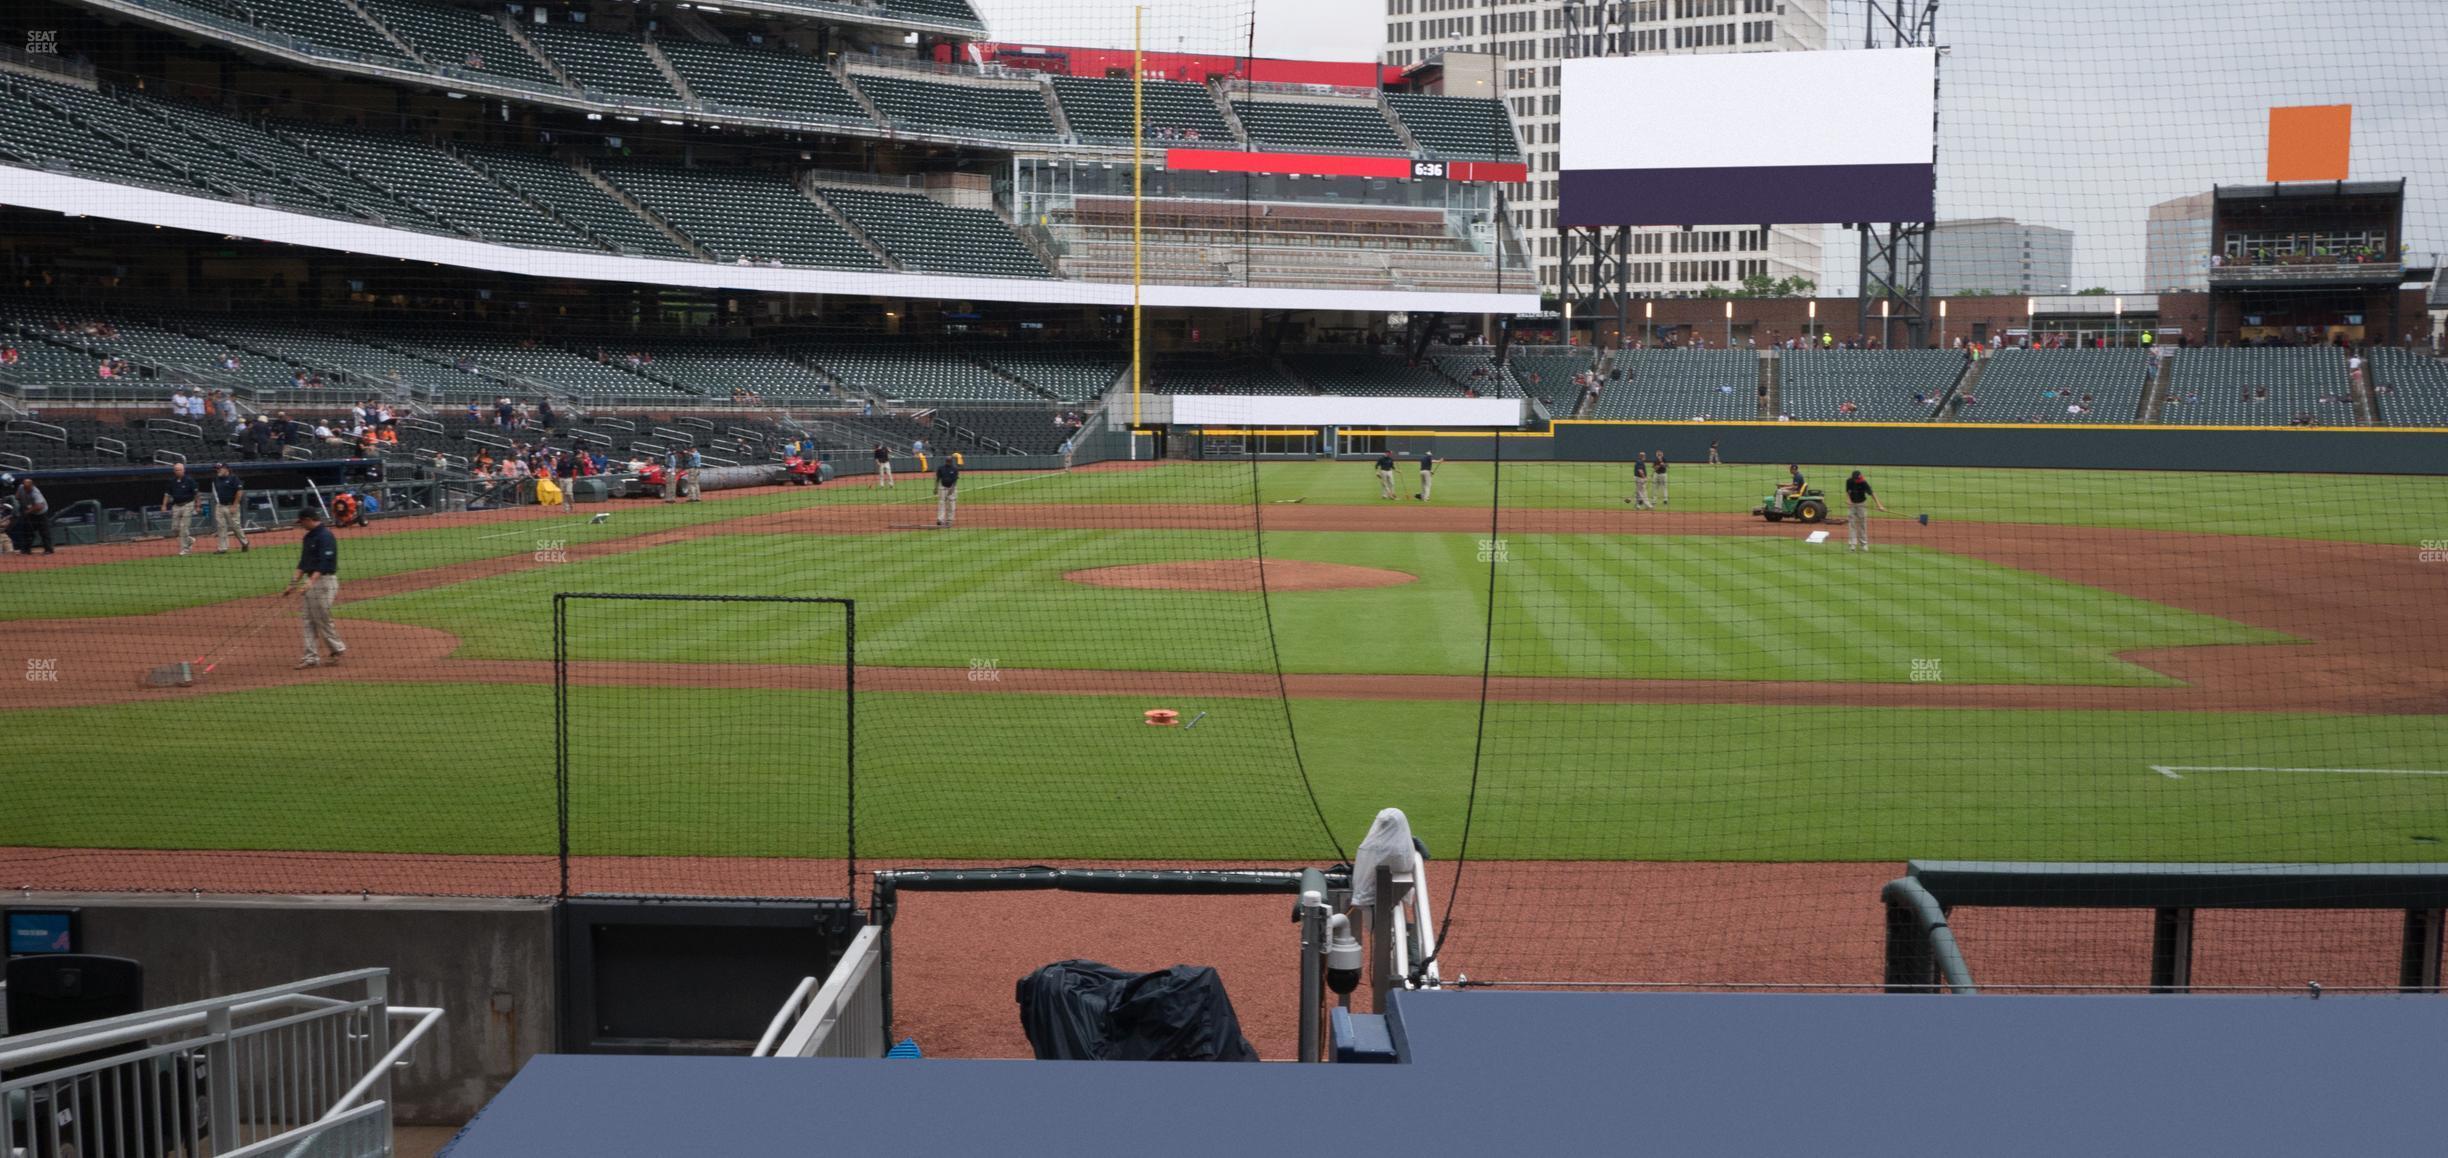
(221, 1079)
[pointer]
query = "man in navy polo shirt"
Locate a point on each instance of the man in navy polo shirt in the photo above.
(229, 509)
(179, 502)
(318, 574)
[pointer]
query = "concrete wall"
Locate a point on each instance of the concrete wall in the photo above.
(488, 963)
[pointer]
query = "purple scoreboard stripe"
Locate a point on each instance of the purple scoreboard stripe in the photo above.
(1748, 195)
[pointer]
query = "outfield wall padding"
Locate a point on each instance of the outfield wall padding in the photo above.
(2278, 449)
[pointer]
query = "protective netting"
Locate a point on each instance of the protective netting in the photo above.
(1722, 735)
(1646, 743)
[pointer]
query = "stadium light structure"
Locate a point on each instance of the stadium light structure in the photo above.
(1895, 256)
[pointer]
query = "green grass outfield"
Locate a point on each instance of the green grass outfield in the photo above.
(1652, 607)
(2358, 508)
(466, 769)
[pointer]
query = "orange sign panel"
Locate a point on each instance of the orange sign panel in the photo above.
(2309, 142)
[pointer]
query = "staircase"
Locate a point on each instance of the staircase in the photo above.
(671, 76)
(515, 195)
(1276, 363)
(1400, 129)
(2366, 404)
(2163, 387)
(693, 25)
(1223, 104)
(632, 204)
(1010, 377)
(842, 74)
(510, 25)
(396, 40)
(1964, 383)
(1054, 108)
(814, 193)
(1770, 390)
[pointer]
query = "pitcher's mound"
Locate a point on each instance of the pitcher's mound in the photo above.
(1239, 575)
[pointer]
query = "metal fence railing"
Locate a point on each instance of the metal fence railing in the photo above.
(842, 1017)
(303, 1068)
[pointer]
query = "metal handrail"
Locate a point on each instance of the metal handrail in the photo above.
(825, 1010)
(1915, 900)
(29, 1048)
(783, 1017)
(427, 1017)
(299, 1141)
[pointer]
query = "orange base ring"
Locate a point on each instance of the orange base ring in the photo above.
(1162, 717)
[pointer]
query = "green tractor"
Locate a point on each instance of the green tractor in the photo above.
(1806, 507)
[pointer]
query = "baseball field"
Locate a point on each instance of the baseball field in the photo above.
(2013, 678)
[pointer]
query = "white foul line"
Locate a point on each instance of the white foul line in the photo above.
(2171, 771)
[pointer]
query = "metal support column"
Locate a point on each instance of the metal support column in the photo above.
(1895, 256)
(1311, 912)
(2418, 965)
(2171, 968)
(1383, 977)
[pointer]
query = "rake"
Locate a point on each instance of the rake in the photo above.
(185, 673)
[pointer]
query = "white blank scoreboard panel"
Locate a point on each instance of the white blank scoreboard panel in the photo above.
(1777, 138)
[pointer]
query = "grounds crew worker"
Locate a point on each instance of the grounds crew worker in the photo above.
(947, 489)
(318, 573)
(1662, 499)
(179, 502)
(1427, 474)
(1385, 474)
(1857, 518)
(1640, 481)
(229, 509)
(695, 479)
(883, 459)
(671, 474)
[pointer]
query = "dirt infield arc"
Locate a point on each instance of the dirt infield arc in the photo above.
(2363, 614)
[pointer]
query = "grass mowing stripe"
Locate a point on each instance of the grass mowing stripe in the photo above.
(1070, 778)
(1710, 607)
(1655, 635)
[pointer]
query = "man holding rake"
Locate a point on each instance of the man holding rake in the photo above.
(318, 574)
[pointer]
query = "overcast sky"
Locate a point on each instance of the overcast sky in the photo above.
(1297, 29)
(2073, 113)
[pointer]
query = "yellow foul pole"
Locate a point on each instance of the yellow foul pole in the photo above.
(1138, 193)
